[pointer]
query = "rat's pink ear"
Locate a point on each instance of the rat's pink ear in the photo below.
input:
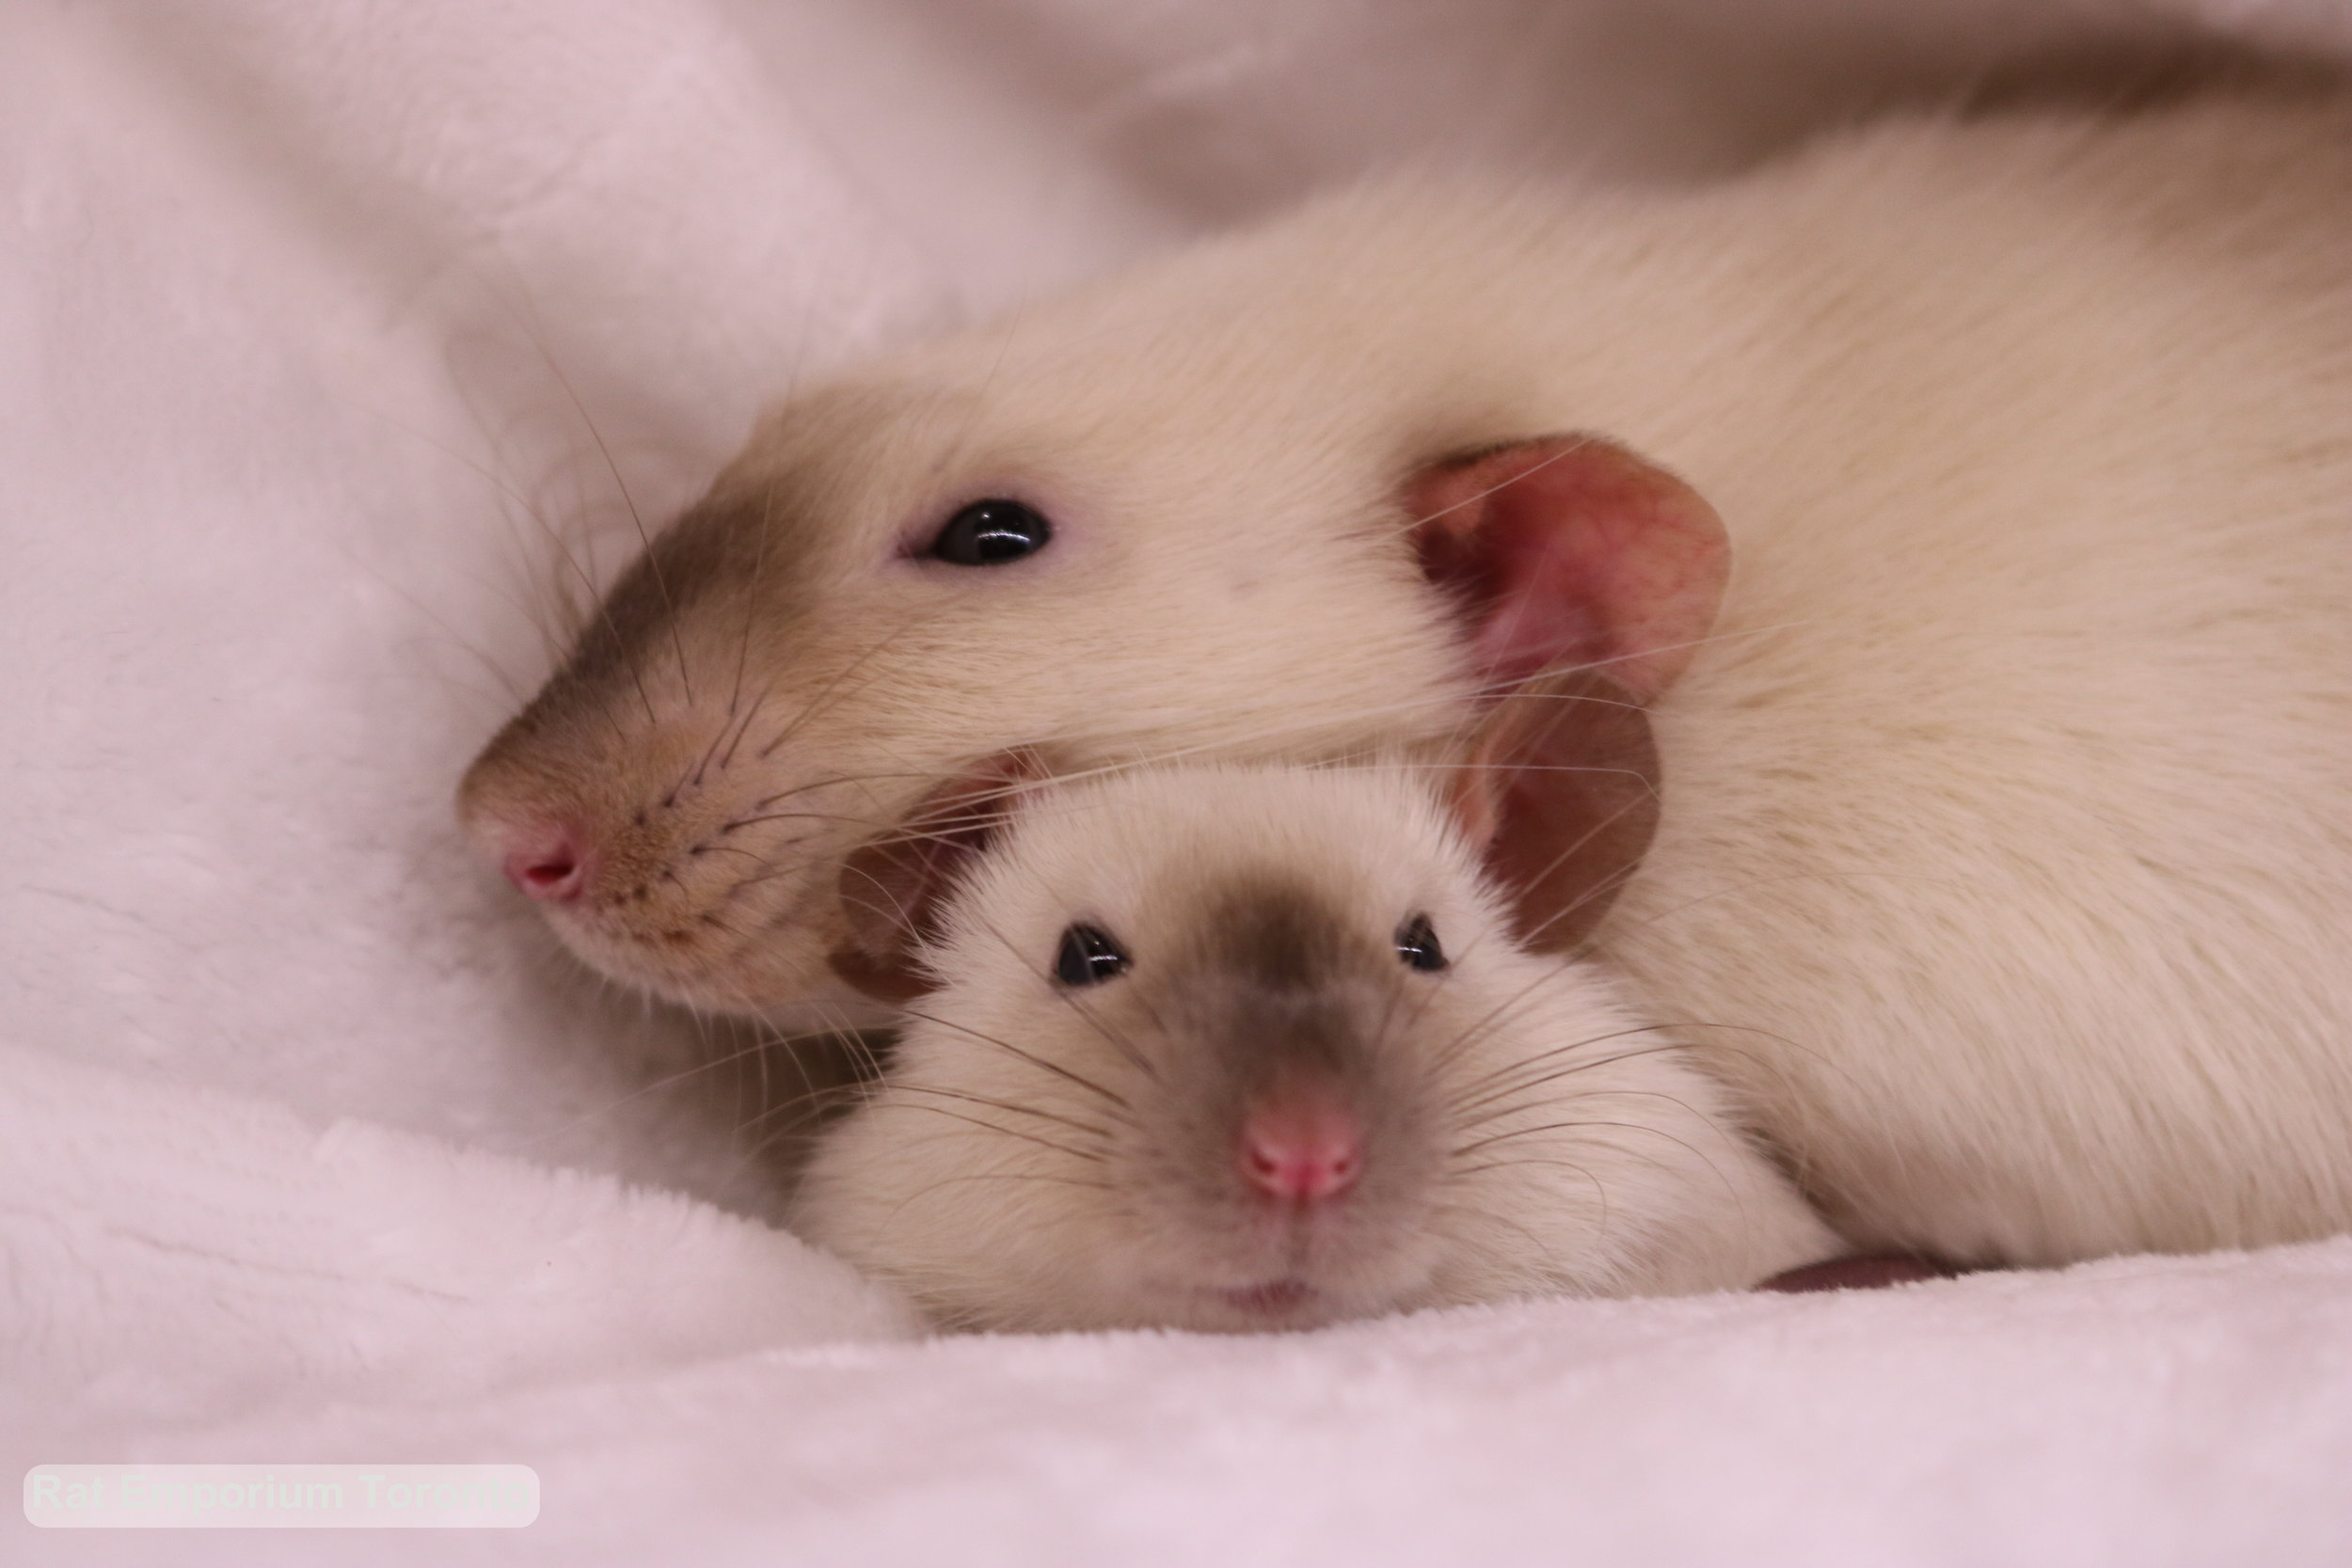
(1569, 551)
(894, 887)
(1559, 784)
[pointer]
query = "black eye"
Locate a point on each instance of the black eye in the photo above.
(991, 533)
(1417, 945)
(1088, 956)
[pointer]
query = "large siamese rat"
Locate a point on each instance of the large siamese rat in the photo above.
(1961, 509)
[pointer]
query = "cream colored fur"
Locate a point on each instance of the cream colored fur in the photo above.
(1022, 1166)
(2005, 864)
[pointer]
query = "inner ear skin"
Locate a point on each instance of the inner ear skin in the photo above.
(1586, 575)
(894, 887)
(892, 981)
(1573, 782)
(1570, 550)
(890, 889)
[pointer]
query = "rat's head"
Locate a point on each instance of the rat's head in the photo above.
(1148, 524)
(1245, 1048)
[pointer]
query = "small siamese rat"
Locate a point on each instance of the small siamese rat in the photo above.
(1243, 1048)
(1963, 508)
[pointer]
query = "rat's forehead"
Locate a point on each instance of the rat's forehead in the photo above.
(1207, 846)
(1280, 929)
(883, 450)
(1097, 379)
(851, 432)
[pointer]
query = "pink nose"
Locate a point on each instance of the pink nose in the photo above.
(1303, 1148)
(549, 860)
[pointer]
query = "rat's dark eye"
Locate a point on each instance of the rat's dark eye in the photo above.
(991, 533)
(1417, 945)
(1088, 956)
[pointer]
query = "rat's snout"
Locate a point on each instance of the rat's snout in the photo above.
(664, 854)
(551, 861)
(1285, 1003)
(552, 844)
(1302, 1143)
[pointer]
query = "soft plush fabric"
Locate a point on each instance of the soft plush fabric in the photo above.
(341, 342)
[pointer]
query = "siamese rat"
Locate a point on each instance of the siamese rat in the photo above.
(1241, 1047)
(1963, 508)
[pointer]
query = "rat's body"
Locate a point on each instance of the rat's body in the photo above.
(2006, 859)
(1269, 1115)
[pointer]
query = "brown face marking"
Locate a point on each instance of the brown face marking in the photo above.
(1278, 933)
(645, 739)
(754, 546)
(1276, 983)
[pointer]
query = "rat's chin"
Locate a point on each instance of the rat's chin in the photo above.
(1276, 1298)
(1312, 1297)
(785, 984)
(1273, 1305)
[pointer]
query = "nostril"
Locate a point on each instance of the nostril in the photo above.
(1302, 1151)
(549, 863)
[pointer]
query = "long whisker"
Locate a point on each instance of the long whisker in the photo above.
(1031, 1057)
(1579, 1094)
(904, 1086)
(1491, 1139)
(818, 704)
(645, 538)
(1117, 1041)
(1007, 1132)
(1503, 1083)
